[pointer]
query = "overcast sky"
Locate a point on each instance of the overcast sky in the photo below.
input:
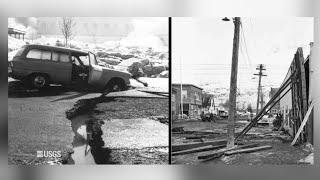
(204, 46)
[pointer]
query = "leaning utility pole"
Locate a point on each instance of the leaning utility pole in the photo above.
(260, 68)
(233, 83)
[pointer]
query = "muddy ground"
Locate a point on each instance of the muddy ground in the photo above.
(41, 120)
(282, 153)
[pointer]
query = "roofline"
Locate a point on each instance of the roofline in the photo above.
(10, 29)
(178, 84)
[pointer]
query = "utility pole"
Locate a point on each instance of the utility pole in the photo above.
(261, 68)
(181, 96)
(233, 83)
(262, 96)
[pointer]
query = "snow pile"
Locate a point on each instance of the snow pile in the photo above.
(14, 44)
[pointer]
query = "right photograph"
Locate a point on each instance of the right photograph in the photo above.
(242, 91)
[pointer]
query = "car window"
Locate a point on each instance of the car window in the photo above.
(75, 60)
(55, 56)
(39, 54)
(85, 60)
(64, 58)
(46, 55)
(34, 54)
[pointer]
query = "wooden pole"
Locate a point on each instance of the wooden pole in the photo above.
(260, 68)
(233, 83)
(181, 96)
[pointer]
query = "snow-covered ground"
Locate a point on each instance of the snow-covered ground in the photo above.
(154, 84)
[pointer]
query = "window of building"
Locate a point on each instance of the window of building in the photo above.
(197, 96)
(184, 94)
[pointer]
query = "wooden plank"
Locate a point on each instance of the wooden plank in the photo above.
(195, 137)
(247, 150)
(220, 152)
(305, 119)
(181, 147)
(215, 155)
(262, 111)
(199, 149)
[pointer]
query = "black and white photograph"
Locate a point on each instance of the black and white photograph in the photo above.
(242, 91)
(88, 90)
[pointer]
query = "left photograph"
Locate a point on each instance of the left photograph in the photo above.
(88, 90)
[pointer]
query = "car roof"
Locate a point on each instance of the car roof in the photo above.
(56, 48)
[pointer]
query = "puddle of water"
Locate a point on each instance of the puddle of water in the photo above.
(82, 150)
(80, 157)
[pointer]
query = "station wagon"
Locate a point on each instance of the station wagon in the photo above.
(41, 65)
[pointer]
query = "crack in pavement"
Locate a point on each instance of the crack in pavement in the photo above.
(88, 144)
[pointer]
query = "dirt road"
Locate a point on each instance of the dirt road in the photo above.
(281, 153)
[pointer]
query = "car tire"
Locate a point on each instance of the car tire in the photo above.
(39, 81)
(115, 85)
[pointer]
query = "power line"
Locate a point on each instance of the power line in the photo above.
(245, 45)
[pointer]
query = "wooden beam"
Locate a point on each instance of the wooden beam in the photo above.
(199, 149)
(247, 150)
(181, 147)
(270, 102)
(305, 119)
(220, 152)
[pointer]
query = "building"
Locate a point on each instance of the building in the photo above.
(291, 118)
(16, 33)
(192, 100)
(173, 102)
(276, 108)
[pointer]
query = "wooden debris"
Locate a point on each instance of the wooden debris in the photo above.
(215, 155)
(195, 137)
(305, 119)
(247, 150)
(220, 152)
(199, 149)
(307, 160)
(177, 130)
(182, 147)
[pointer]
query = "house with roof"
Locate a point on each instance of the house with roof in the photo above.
(187, 100)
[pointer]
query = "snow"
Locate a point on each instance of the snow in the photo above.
(160, 84)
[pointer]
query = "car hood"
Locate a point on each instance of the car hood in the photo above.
(123, 73)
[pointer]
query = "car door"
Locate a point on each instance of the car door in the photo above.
(62, 66)
(95, 72)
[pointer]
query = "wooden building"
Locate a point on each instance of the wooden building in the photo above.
(16, 33)
(192, 100)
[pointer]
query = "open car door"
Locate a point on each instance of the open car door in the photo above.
(95, 72)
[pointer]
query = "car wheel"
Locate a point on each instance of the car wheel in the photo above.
(39, 81)
(115, 85)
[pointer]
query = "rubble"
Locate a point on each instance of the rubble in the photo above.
(307, 160)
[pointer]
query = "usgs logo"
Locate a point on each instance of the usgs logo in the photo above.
(49, 154)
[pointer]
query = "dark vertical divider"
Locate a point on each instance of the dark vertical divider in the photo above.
(170, 74)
